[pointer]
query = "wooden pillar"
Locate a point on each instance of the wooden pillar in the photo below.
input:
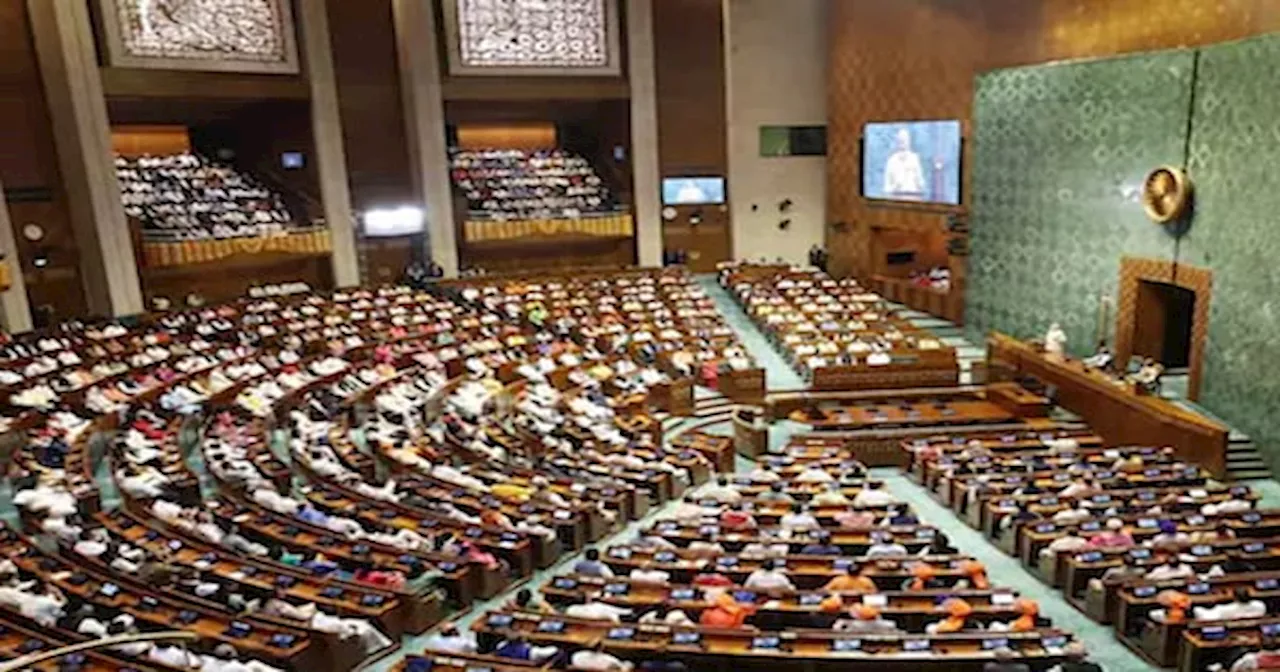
(418, 48)
(326, 125)
(15, 311)
(73, 85)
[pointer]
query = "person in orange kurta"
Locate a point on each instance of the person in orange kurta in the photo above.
(977, 573)
(957, 611)
(854, 581)
(727, 613)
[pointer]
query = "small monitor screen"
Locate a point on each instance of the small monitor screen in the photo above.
(912, 161)
(692, 190)
(292, 160)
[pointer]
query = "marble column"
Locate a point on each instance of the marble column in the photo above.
(644, 133)
(326, 126)
(73, 85)
(15, 311)
(420, 84)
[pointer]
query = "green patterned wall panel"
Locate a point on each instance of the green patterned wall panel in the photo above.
(1235, 164)
(1059, 152)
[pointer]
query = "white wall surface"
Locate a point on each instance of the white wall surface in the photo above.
(776, 57)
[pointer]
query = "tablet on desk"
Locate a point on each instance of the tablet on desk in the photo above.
(766, 643)
(552, 627)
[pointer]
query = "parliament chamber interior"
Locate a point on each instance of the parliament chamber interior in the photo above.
(608, 335)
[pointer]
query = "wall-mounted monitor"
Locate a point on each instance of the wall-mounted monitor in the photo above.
(912, 161)
(692, 190)
(292, 160)
(394, 222)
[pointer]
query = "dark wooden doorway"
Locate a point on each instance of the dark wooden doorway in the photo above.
(1162, 328)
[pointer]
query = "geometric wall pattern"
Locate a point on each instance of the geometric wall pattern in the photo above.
(1058, 152)
(229, 35)
(1235, 150)
(489, 36)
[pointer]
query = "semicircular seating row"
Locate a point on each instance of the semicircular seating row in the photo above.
(304, 479)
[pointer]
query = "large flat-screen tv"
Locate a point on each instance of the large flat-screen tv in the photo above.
(912, 161)
(692, 190)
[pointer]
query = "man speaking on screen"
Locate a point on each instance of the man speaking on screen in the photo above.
(903, 174)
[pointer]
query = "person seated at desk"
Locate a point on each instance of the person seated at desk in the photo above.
(1266, 658)
(873, 496)
(833, 495)
(451, 640)
(865, 620)
(1148, 376)
(769, 578)
(726, 613)
(665, 615)
(720, 491)
(854, 580)
(1004, 662)
(1114, 536)
(527, 600)
(899, 515)
(776, 494)
(855, 520)
(821, 545)
(883, 545)
(519, 648)
(799, 519)
(764, 475)
(1241, 608)
(1169, 535)
(1071, 516)
(738, 519)
(595, 659)
(591, 565)
(1175, 605)
(1101, 357)
(1077, 660)
(814, 474)
(596, 611)
(957, 611)
(924, 576)
(1081, 489)
(1170, 569)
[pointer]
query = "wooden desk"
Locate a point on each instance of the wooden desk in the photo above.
(1115, 412)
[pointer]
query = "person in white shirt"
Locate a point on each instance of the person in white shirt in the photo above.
(886, 547)
(771, 577)
(721, 491)
(1080, 489)
(663, 614)
(798, 519)
(873, 496)
(451, 640)
(597, 611)
(595, 659)
(1069, 542)
(814, 474)
(1243, 607)
(903, 171)
(1171, 569)
(832, 496)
